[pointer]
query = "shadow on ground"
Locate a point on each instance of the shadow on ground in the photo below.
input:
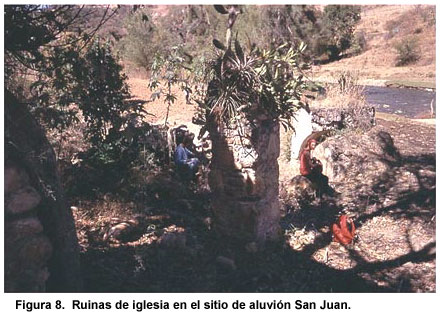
(197, 261)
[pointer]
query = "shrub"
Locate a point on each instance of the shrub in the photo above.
(359, 43)
(392, 27)
(345, 91)
(407, 51)
(339, 22)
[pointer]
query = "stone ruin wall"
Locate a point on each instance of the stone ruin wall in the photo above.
(27, 248)
(41, 247)
(244, 180)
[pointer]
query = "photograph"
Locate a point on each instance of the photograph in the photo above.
(218, 148)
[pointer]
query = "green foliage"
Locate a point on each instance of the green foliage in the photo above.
(170, 71)
(338, 24)
(144, 39)
(407, 51)
(135, 152)
(269, 82)
(272, 26)
(194, 27)
(102, 91)
(191, 27)
(359, 43)
(79, 81)
(88, 86)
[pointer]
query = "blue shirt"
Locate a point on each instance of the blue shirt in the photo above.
(182, 155)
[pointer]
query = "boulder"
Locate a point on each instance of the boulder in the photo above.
(173, 237)
(339, 118)
(23, 200)
(300, 188)
(353, 155)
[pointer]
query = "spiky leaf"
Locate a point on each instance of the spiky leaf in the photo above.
(221, 9)
(218, 44)
(238, 50)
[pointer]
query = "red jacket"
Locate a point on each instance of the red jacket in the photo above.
(341, 232)
(306, 165)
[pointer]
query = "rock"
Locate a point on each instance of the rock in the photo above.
(345, 157)
(117, 231)
(300, 188)
(23, 200)
(339, 118)
(173, 237)
(15, 179)
(21, 228)
(226, 263)
(252, 247)
(329, 119)
(122, 231)
(35, 252)
(31, 181)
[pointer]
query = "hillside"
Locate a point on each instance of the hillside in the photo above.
(383, 26)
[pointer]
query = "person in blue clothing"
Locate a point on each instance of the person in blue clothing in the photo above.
(185, 159)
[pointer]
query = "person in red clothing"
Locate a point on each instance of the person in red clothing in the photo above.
(311, 168)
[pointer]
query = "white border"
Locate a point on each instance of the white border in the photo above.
(361, 304)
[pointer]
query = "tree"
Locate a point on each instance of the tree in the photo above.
(191, 27)
(101, 92)
(34, 34)
(43, 49)
(338, 24)
(407, 51)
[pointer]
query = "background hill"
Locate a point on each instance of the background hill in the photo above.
(383, 27)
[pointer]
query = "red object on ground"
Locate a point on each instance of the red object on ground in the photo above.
(341, 233)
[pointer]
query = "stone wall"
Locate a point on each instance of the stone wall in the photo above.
(41, 248)
(244, 180)
(339, 118)
(27, 248)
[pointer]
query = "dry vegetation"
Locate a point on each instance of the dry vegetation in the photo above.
(384, 26)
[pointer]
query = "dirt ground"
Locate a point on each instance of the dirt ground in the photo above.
(167, 245)
(395, 216)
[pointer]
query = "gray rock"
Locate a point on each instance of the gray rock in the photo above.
(22, 228)
(226, 263)
(15, 179)
(23, 200)
(354, 155)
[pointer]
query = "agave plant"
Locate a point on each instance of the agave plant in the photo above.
(259, 81)
(233, 84)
